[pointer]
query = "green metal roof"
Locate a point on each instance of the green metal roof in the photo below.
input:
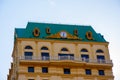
(55, 28)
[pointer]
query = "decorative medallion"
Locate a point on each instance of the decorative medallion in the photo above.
(63, 35)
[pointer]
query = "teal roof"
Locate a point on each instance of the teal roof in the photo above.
(55, 28)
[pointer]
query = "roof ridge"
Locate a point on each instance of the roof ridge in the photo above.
(60, 24)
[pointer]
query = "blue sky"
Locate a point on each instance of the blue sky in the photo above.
(102, 15)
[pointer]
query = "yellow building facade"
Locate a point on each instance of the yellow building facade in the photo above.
(45, 51)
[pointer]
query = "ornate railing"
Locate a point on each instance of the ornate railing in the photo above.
(64, 58)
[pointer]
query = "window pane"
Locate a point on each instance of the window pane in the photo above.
(66, 71)
(30, 69)
(101, 72)
(66, 56)
(44, 48)
(44, 69)
(64, 49)
(84, 50)
(28, 47)
(28, 55)
(85, 57)
(101, 58)
(99, 51)
(88, 71)
(45, 56)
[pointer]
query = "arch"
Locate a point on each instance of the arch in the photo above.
(28, 47)
(44, 48)
(84, 50)
(99, 51)
(64, 49)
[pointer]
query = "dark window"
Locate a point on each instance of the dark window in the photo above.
(30, 69)
(28, 47)
(99, 51)
(66, 56)
(66, 71)
(89, 34)
(28, 55)
(36, 32)
(45, 56)
(47, 30)
(64, 49)
(44, 48)
(85, 57)
(101, 58)
(44, 69)
(76, 32)
(88, 71)
(30, 79)
(84, 50)
(101, 72)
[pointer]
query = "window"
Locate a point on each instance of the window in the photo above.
(47, 30)
(99, 51)
(64, 49)
(36, 32)
(44, 69)
(28, 55)
(85, 57)
(76, 32)
(66, 71)
(66, 56)
(44, 48)
(101, 58)
(88, 71)
(101, 72)
(30, 69)
(84, 50)
(28, 47)
(45, 56)
(30, 79)
(89, 35)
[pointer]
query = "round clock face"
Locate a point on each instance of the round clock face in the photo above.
(63, 34)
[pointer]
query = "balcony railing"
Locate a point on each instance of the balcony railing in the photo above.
(65, 58)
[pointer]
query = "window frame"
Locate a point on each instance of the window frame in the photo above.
(31, 69)
(28, 47)
(44, 48)
(83, 50)
(101, 72)
(44, 69)
(88, 71)
(67, 71)
(99, 51)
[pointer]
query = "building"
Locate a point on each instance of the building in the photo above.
(45, 51)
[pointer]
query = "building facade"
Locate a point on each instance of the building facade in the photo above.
(45, 51)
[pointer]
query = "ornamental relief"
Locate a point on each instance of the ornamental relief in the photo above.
(64, 35)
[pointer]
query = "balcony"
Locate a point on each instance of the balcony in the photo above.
(63, 59)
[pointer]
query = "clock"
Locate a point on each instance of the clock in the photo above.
(63, 34)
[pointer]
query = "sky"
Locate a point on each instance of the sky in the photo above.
(102, 15)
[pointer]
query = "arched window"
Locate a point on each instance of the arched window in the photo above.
(44, 48)
(28, 47)
(84, 50)
(99, 51)
(28, 54)
(64, 49)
